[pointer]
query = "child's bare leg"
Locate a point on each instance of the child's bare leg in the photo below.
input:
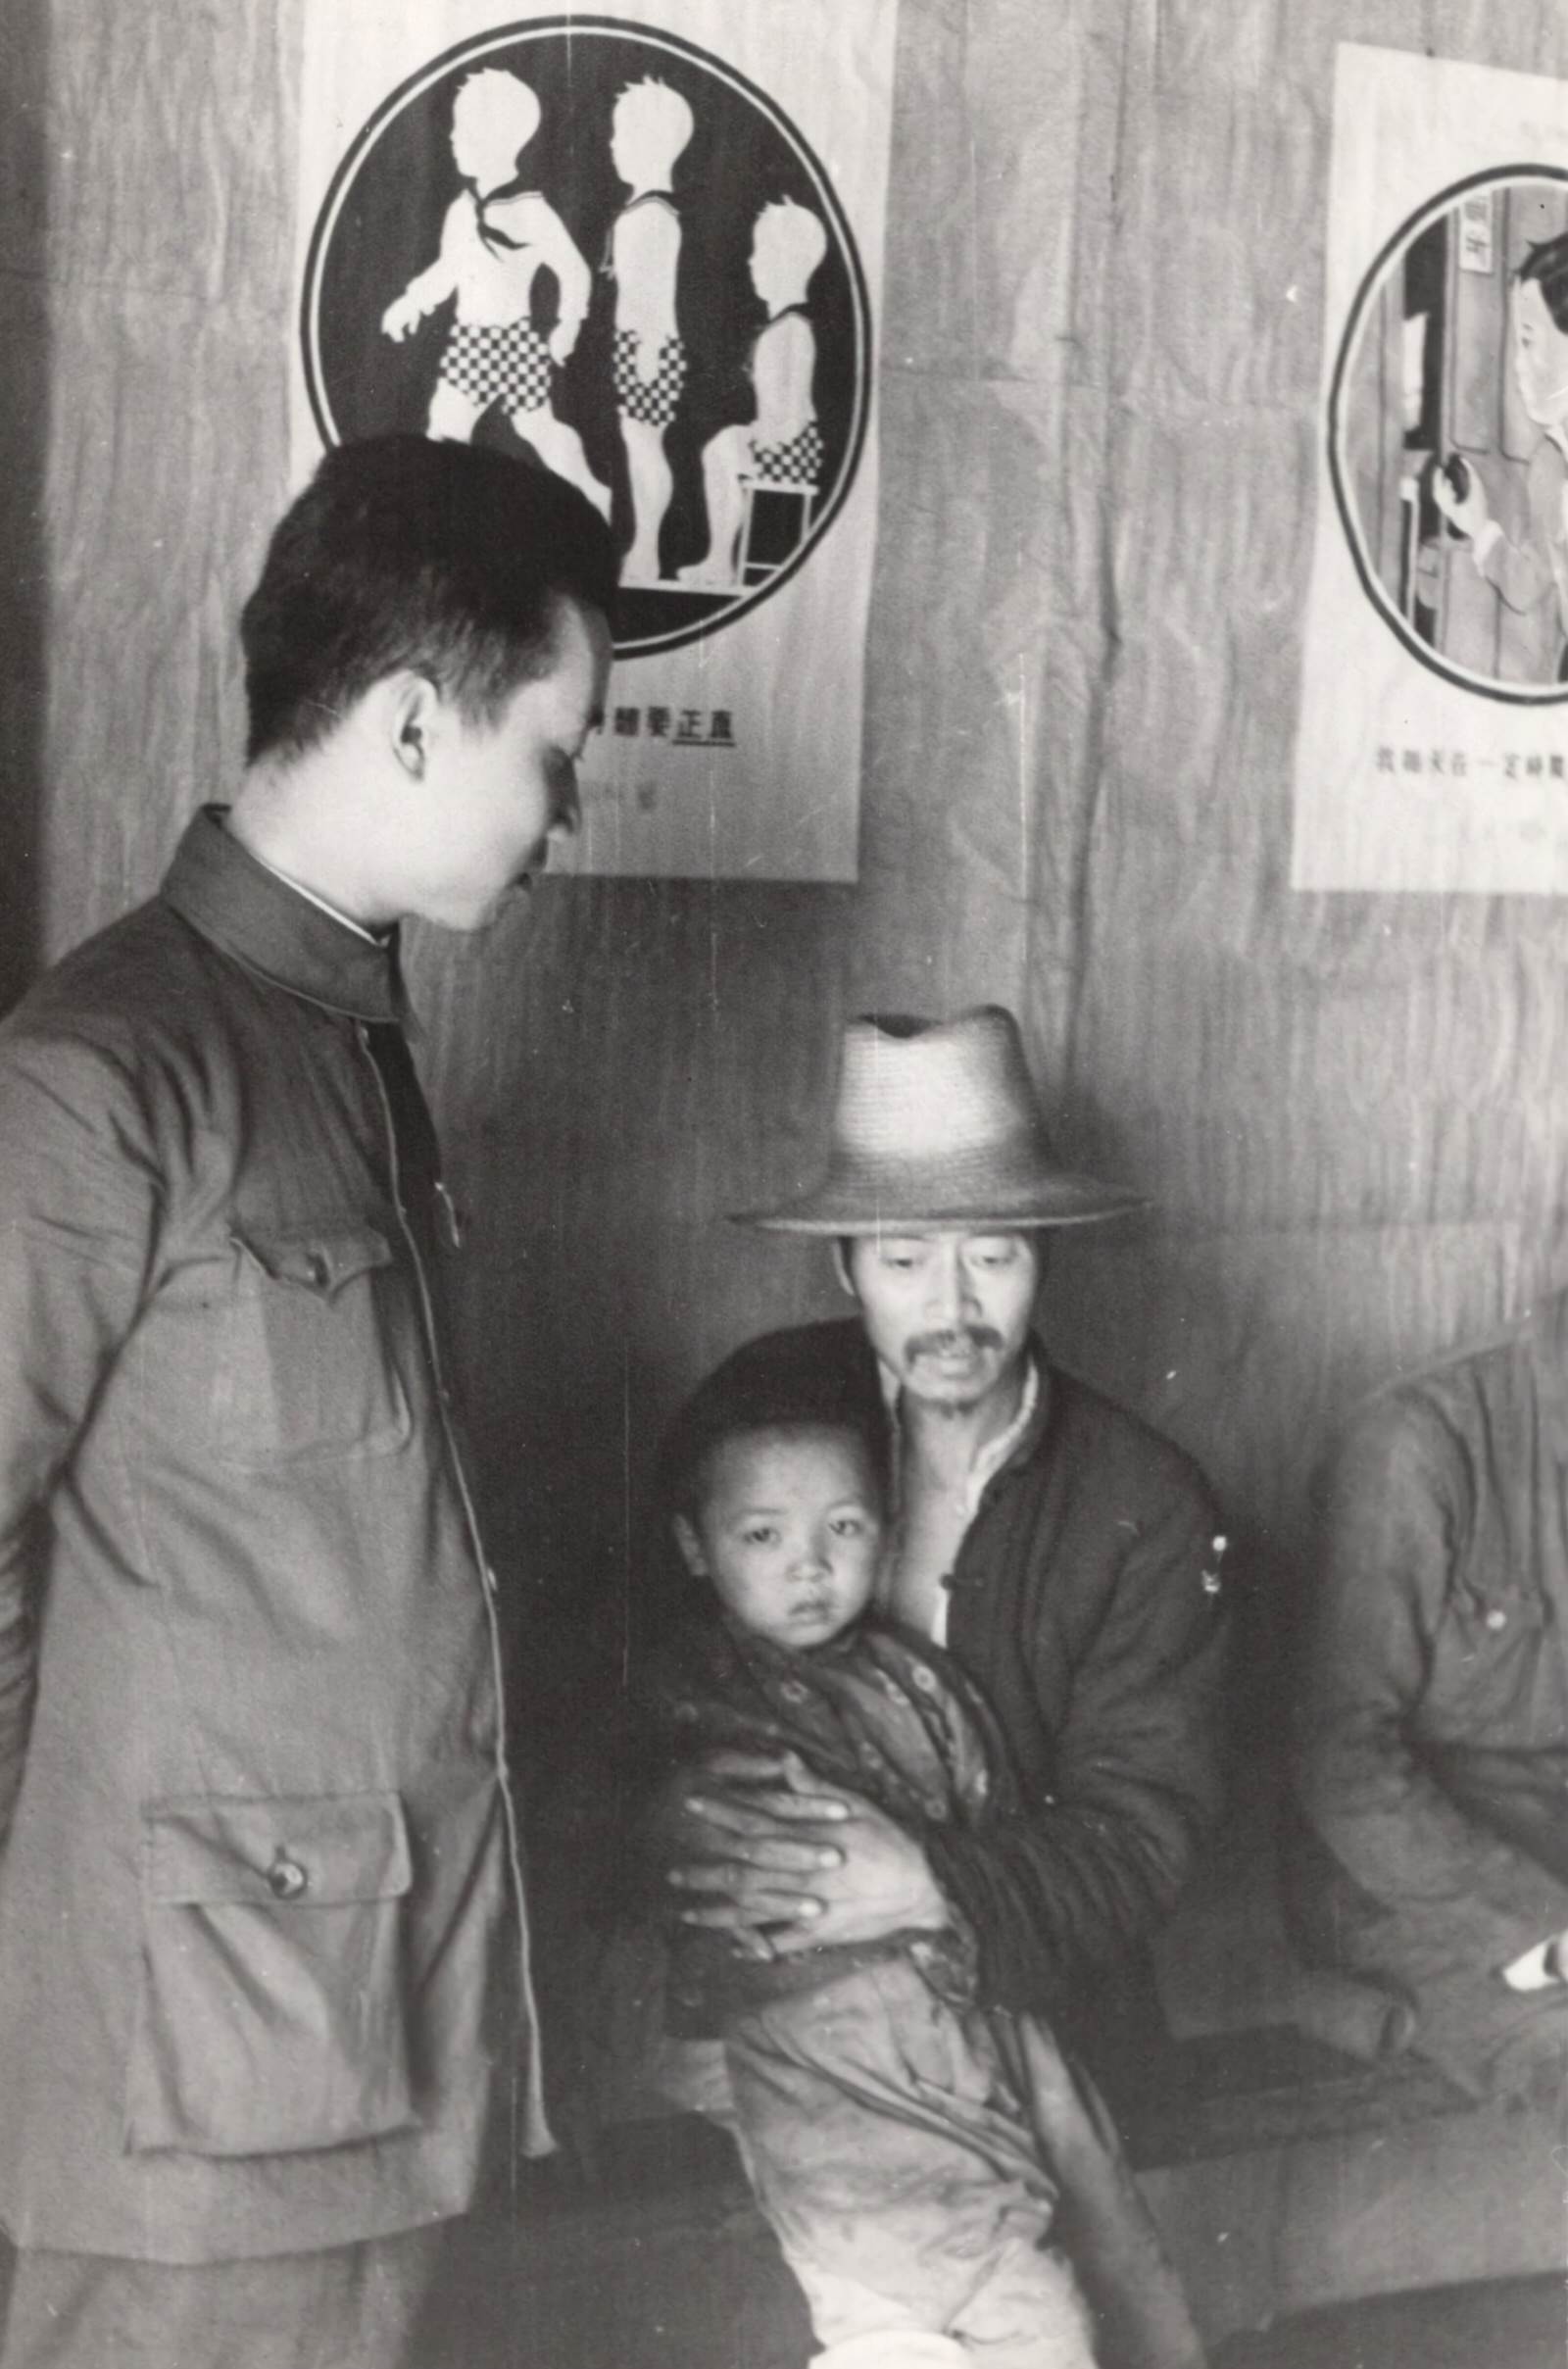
(725, 457)
(652, 487)
(560, 447)
(454, 415)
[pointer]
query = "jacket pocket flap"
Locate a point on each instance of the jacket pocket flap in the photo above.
(319, 1851)
(318, 1258)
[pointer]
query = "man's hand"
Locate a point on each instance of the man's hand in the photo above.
(815, 1868)
(746, 1830)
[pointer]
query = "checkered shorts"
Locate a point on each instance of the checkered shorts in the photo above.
(507, 363)
(651, 400)
(797, 462)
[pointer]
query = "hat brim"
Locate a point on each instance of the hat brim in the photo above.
(836, 1208)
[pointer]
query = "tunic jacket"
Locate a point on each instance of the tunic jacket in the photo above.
(258, 1948)
(1433, 1754)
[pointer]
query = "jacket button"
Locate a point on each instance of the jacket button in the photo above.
(286, 1878)
(319, 1272)
(1497, 1620)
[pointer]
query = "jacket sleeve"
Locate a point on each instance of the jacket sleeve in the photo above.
(1450, 1893)
(1071, 1884)
(78, 1208)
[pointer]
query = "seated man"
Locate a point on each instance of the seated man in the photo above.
(1064, 1553)
(1433, 1758)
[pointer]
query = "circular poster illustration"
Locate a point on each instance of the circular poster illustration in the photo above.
(595, 243)
(1448, 434)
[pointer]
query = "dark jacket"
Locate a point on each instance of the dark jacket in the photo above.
(1087, 1606)
(255, 1939)
(1433, 1753)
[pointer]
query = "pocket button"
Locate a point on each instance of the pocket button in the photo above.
(286, 1878)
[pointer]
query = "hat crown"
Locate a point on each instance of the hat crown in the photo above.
(914, 1090)
(936, 1125)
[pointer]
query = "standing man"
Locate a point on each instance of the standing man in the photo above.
(262, 1951)
(1064, 1553)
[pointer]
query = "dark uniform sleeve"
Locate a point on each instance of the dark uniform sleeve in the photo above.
(1070, 1885)
(78, 1208)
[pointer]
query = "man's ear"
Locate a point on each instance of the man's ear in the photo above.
(691, 1546)
(411, 706)
(841, 1246)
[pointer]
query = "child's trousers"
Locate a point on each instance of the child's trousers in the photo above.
(901, 2178)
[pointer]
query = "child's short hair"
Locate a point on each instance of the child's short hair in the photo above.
(493, 100)
(776, 1384)
(794, 234)
(408, 551)
(652, 110)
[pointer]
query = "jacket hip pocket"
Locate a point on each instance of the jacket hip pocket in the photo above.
(272, 2015)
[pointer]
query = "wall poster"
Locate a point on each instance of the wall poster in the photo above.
(646, 247)
(1433, 747)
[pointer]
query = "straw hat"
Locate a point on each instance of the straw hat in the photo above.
(936, 1125)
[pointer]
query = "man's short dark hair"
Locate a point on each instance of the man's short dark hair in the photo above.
(1546, 264)
(406, 551)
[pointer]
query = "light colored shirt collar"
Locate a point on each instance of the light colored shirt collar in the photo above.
(989, 1459)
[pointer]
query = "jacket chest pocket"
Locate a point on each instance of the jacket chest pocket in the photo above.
(305, 1361)
(272, 2017)
(1496, 1672)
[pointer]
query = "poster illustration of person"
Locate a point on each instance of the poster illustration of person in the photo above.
(497, 237)
(1433, 745)
(1455, 405)
(779, 449)
(651, 127)
(611, 245)
(1530, 574)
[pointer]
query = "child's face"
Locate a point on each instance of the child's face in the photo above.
(788, 1532)
(488, 138)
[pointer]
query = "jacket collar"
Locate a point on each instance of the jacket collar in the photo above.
(249, 914)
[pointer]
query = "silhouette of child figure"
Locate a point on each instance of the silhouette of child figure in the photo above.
(783, 442)
(650, 129)
(496, 239)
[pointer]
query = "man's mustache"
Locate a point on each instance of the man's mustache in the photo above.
(959, 1336)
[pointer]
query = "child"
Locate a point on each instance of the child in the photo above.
(650, 129)
(880, 2134)
(496, 239)
(783, 442)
